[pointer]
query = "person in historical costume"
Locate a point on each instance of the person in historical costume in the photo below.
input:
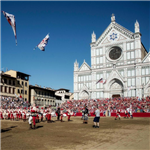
(17, 114)
(49, 111)
(131, 113)
(33, 113)
(28, 113)
(69, 114)
(24, 114)
(20, 114)
(37, 114)
(8, 113)
(11, 114)
(125, 113)
(14, 114)
(41, 112)
(117, 114)
(30, 120)
(5, 113)
(1, 114)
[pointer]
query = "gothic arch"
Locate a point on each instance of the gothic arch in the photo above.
(116, 87)
(84, 94)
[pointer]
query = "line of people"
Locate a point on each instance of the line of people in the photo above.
(34, 114)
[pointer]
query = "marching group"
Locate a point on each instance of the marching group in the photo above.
(34, 114)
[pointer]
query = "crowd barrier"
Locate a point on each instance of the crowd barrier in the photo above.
(121, 114)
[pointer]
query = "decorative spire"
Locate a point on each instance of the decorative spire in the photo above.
(93, 37)
(137, 27)
(76, 65)
(113, 18)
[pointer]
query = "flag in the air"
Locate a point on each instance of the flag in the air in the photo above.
(43, 43)
(101, 81)
(129, 88)
(11, 20)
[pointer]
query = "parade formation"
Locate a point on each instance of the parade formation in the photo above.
(34, 114)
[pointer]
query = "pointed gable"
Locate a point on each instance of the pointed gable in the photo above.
(115, 74)
(84, 67)
(114, 32)
(147, 58)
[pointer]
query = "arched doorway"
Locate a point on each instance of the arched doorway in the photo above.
(116, 88)
(84, 95)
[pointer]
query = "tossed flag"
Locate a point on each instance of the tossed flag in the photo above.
(43, 43)
(11, 20)
(129, 88)
(101, 81)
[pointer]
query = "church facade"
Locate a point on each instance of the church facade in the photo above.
(119, 57)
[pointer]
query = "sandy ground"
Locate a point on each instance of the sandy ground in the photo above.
(124, 134)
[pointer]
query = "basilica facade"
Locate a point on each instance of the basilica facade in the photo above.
(119, 57)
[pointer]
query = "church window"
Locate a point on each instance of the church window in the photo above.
(133, 73)
(132, 55)
(97, 77)
(128, 46)
(97, 85)
(97, 60)
(129, 82)
(132, 93)
(101, 51)
(143, 80)
(132, 45)
(143, 71)
(86, 77)
(115, 52)
(94, 61)
(128, 55)
(97, 52)
(101, 59)
(133, 81)
(89, 77)
(147, 70)
(79, 78)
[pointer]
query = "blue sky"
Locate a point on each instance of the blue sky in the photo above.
(70, 25)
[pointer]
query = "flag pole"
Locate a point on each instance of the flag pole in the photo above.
(16, 41)
(35, 47)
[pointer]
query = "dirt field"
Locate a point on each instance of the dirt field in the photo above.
(124, 134)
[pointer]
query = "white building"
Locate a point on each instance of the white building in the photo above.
(64, 94)
(119, 57)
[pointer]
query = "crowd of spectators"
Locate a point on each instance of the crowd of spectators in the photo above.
(9, 102)
(111, 104)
